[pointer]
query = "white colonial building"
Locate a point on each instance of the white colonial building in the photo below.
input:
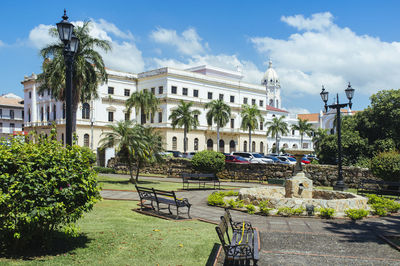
(11, 115)
(198, 85)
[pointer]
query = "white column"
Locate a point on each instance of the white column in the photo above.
(34, 107)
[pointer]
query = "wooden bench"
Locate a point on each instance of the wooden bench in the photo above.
(200, 179)
(379, 187)
(243, 246)
(162, 197)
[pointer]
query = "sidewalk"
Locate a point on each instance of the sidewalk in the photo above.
(301, 241)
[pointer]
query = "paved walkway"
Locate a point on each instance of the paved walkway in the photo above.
(302, 241)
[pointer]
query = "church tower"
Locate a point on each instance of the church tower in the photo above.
(272, 86)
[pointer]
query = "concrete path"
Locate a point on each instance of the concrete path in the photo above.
(302, 241)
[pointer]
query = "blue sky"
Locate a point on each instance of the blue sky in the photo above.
(311, 43)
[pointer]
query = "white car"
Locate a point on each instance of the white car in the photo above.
(286, 159)
(253, 157)
(188, 155)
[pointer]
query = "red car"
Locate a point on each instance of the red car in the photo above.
(305, 160)
(235, 159)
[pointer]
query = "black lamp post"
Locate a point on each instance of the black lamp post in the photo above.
(324, 96)
(71, 43)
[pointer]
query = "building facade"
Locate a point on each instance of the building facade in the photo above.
(11, 115)
(198, 85)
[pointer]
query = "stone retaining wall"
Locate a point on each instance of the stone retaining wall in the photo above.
(322, 175)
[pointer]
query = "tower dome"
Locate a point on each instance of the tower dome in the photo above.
(270, 77)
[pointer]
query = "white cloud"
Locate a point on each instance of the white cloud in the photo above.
(124, 56)
(2, 43)
(188, 43)
(317, 21)
(39, 36)
(298, 110)
(326, 54)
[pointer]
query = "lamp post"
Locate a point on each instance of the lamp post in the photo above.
(324, 96)
(71, 43)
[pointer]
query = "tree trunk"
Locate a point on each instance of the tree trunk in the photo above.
(301, 141)
(249, 139)
(138, 164)
(184, 140)
(217, 137)
(132, 180)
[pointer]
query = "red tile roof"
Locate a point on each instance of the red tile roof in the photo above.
(270, 108)
(310, 117)
(11, 102)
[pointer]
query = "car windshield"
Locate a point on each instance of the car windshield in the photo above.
(240, 158)
(272, 158)
(291, 159)
(257, 155)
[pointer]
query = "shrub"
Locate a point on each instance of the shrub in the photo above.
(232, 203)
(264, 207)
(104, 170)
(231, 193)
(251, 209)
(298, 211)
(285, 211)
(379, 209)
(386, 165)
(240, 203)
(208, 161)
(326, 212)
(43, 187)
(356, 214)
(382, 206)
(216, 199)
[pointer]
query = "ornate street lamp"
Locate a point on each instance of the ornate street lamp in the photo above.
(278, 139)
(324, 96)
(71, 44)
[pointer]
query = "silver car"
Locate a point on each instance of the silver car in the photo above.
(253, 157)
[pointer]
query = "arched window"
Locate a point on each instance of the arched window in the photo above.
(210, 144)
(86, 140)
(196, 144)
(245, 146)
(62, 138)
(41, 114)
(285, 146)
(271, 102)
(63, 110)
(85, 111)
(253, 146)
(174, 143)
(29, 115)
(54, 112)
(277, 104)
(48, 113)
(221, 145)
(232, 146)
(261, 147)
(294, 146)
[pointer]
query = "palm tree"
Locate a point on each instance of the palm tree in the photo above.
(319, 135)
(88, 69)
(128, 139)
(144, 100)
(276, 126)
(304, 128)
(186, 118)
(251, 116)
(219, 113)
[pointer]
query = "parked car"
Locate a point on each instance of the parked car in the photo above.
(305, 160)
(176, 153)
(235, 159)
(273, 158)
(253, 157)
(286, 160)
(188, 155)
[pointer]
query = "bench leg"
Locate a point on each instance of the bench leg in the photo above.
(177, 212)
(189, 213)
(169, 209)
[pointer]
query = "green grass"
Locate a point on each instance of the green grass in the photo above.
(122, 183)
(352, 190)
(112, 234)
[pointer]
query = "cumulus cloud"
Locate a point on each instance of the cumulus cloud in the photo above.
(2, 43)
(330, 55)
(188, 43)
(39, 36)
(298, 110)
(124, 56)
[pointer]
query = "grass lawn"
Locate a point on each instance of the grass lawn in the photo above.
(122, 183)
(112, 234)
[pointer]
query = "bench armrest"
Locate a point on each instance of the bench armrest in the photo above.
(183, 202)
(239, 226)
(240, 250)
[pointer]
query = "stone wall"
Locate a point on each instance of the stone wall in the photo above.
(322, 175)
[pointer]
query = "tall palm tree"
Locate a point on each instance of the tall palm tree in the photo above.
(184, 117)
(144, 100)
(219, 113)
(251, 116)
(88, 68)
(275, 127)
(304, 128)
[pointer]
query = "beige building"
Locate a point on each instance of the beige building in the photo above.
(11, 115)
(198, 85)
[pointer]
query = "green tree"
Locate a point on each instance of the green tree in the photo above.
(88, 69)
(304, 128)
(184, 117)
(251, 116)
(277, 126)
(144, 101)
(319, 135)
(219, 113)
